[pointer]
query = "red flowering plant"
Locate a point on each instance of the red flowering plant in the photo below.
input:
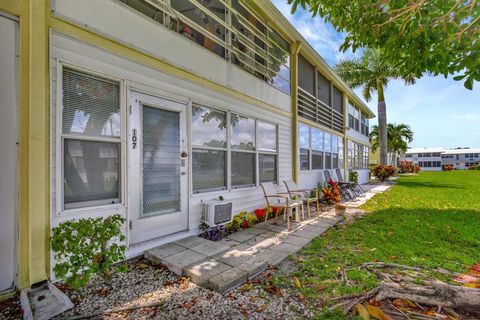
(260, 213)
(331, 192)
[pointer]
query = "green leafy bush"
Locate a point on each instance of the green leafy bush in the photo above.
(382, 172)
(476, 167)
(353, 176)
(86, 247)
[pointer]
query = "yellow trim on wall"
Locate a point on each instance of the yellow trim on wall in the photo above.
(295, 48)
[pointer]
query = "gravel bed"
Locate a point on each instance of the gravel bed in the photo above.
(179, 298)
(10, 308)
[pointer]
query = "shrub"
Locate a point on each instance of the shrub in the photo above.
(353, 176)
(408, 167)
(448, 168)
(475, 167)
(382, 172)
(86, 247)
(331, 192)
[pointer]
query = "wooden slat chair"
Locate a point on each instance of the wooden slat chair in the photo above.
(279, 200)
(304, 194)
(343, 189)
(353, 186)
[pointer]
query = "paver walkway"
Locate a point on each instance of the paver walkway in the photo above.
(227, 263)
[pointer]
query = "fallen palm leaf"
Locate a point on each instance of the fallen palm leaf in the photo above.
(376, 312)
(297, 282)
(363, 312)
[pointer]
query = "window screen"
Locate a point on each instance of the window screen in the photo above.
(337, 100)
(243, 169)
(323, 89)
(267, 167)
(209, 168)
(306, 75)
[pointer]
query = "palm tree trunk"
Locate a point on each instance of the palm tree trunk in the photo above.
(382, 124)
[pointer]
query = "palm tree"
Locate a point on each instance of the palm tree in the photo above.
(372, 72)
(398, 137)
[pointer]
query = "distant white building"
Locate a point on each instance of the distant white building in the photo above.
(434, 159)
(461, 159)
(429, 159)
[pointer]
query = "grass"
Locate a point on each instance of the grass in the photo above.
(430, 220)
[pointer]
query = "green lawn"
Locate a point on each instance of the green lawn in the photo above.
(430, 220)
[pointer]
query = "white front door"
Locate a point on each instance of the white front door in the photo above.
(8, 153)
(157, 166)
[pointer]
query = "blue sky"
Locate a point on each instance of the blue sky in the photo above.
(441, 112)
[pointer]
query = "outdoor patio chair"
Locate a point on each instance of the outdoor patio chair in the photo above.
(343, 189)
(353, 186)
(280, 200)
(305, 195)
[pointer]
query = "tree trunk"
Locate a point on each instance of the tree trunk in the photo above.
(382, 124)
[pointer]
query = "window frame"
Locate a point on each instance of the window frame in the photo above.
(60, 137)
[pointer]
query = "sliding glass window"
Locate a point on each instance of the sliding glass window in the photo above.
(210, 150)
(319, 149)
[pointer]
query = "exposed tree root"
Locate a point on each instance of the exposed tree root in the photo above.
(434, 294)
(402, 282)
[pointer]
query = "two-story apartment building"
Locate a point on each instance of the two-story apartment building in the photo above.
(461, 159)
(146, 108)
(429, 159)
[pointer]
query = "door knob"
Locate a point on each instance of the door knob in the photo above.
(184, 154)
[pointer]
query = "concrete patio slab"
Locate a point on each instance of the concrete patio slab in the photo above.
(241, 236)
(293, 239)
(236, 255)
(229, 242)
(191, 242)
(272, 257)
(157, 254)
(201, 271)
(210, 248)
(285, 247)
(178, 261)
(227, 280)
(254, 266)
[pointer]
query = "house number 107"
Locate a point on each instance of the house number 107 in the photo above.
(134, 139)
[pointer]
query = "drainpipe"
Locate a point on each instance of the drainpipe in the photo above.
(294, 50)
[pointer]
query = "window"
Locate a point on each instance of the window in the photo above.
(409, 155)
(250, 140)
(209, 149)
(319, 149)
(91, 140)
(318, 100)
(358, 156)
(304, 135)
(267, 148)
(353, 117)
(328, 150)
(364, 128)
